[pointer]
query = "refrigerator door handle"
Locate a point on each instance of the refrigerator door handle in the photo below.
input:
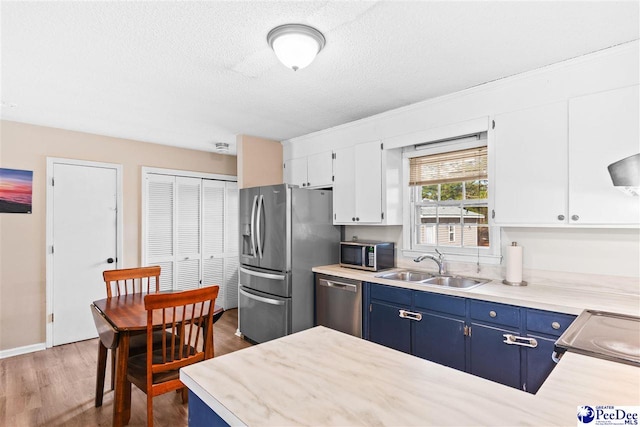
(261, 299)
(253, 228)
(263, 275)
(259, 221)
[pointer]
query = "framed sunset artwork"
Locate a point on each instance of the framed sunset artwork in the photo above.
(16, 187)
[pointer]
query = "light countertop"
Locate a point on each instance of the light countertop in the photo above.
(548, 296)
(324, 377)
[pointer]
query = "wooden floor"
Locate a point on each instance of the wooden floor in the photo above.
(56, 387)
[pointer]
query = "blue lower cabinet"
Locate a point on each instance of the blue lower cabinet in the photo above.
(440, 339)
(539, 363)
(491, 358)
(201, 415)
(387, 328)
(466, 334)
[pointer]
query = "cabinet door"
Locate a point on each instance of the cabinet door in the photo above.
(603, 128)
(368, 182)
(491, 358)
(539, 363)
(387, 328)
(320, 169)
(531, 165)
(297, 171)
(440, 339)
(344, 190)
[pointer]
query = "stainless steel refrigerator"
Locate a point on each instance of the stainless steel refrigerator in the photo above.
(284, 232)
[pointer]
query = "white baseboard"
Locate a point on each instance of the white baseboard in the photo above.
(22, 350)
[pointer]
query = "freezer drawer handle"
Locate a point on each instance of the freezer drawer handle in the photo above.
(521, 341)
(262, 299)
(410, 315)
(342, 286)
(263, 275)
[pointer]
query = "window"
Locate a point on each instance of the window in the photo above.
(449, 201)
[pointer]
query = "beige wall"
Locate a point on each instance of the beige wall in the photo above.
(22, 236)
(259, 161)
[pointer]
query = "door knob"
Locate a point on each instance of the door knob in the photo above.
(110, 260)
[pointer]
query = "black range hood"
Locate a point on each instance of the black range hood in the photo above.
(625, 174)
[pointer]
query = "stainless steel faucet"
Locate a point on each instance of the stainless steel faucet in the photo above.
(438, 260)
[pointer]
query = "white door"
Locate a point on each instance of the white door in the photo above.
(344, 193)
(84, 245)
(603, 128)
(530, 178)
(368, 182)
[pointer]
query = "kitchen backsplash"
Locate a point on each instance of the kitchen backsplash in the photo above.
(589, 259)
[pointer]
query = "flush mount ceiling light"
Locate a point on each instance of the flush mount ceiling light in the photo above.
(222, 147)
(295, 45)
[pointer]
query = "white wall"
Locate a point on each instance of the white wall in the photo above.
(594, 251)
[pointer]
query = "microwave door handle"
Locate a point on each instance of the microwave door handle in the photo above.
(253, 227)
(259, 222)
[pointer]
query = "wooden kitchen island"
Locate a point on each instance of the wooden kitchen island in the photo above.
(323, 377)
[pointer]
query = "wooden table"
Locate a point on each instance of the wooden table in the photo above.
(118, 318)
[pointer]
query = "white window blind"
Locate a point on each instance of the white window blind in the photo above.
(455, 166)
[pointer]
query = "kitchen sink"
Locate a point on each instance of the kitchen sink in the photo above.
(407, 276)
(424, 278)
(455, 281)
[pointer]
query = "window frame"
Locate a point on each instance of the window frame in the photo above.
(484, 255)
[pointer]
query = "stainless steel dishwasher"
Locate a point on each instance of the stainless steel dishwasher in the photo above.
(339, 304)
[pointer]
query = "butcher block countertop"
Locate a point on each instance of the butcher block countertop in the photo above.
(548, 296)
(324, 377)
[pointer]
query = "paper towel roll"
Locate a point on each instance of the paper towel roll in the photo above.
(514, 263)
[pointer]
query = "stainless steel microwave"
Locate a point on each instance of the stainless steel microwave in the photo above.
(372, 256)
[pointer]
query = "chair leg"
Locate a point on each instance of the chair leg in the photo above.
(149, 409)
(100, 373)
(185, 395)
(113, 369)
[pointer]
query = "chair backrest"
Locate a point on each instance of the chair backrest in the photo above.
(180, 316)
(132, 280)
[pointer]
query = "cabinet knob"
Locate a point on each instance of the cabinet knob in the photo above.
(308, 184)
(555, 325)
(492, 313)
(575, 217)
(357, 219)
(561, 217)
(353, 219)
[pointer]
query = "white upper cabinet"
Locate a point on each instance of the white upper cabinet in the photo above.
(314, 171)
(366, 186)
(603, 128)
(531, 166)
(551, 161)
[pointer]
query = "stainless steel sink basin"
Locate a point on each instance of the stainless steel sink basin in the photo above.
(455, 281)
(406, 276)
(425, 278)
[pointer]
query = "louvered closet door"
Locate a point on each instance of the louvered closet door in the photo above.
(231, 260)
(160, 226)
(187, 233)
(213, 226)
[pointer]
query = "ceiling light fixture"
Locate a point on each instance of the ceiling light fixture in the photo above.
(295, 45)
(222, 147)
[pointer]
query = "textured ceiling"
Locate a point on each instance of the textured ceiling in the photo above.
(193, 73)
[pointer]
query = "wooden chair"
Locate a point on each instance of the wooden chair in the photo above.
(181, 316)
(124, 282)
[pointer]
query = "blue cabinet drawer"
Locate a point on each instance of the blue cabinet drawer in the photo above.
(440, 303)
(499, 314)
(548, 322)
(391, 294)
